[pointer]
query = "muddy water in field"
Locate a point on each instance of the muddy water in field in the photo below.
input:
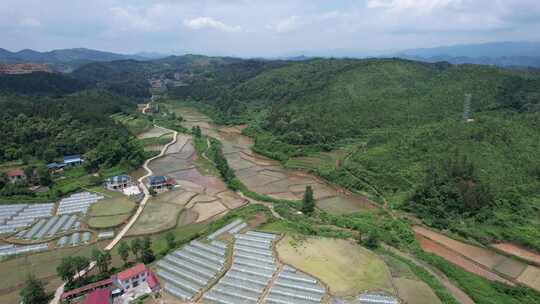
(266, 176)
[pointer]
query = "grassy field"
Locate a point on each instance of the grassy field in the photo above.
(156, 216)
(112, 206)
(110, 221)
(330, 260)
(135, 124)
(110, 212)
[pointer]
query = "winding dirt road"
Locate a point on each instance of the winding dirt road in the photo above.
(125, 229)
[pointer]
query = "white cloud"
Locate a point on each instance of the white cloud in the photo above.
(417, 5)
(30, 22)
(210, 23)
(286, 25)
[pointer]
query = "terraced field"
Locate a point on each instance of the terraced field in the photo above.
(199, 196)
(482, 261)
(266, 176)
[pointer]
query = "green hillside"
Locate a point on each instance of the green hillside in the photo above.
(396, 121)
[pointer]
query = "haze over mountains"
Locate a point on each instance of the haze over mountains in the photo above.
(506, 54)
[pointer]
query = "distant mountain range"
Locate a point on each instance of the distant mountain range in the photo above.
(69, 59)
(506, 54)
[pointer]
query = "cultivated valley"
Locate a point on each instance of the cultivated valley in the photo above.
(395, 177)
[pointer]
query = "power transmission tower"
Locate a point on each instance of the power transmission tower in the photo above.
(467, 108)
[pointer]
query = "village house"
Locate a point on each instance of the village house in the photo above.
(128, 284)
(160, 182)
(16, 176)
(119, 182)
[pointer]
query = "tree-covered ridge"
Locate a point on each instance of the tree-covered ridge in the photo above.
(399, 124)
(40, 83)
(49, 126)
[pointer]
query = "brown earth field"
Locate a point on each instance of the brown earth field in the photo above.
(531, 277)
(518, 251)
(457, 259)
(495, 262)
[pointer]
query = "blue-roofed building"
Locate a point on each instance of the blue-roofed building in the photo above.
(55, 166)
(73, 160)
(159, 182)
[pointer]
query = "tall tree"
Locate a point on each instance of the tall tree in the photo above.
(80, 263)
(308, 203)
(147, 254)
(102, 258)
(44, 176)
(66, 269)
(123, 251)
(33, 292)
(136, 247)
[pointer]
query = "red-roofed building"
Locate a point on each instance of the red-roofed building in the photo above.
(118, 285)
(16, 175)
(99, 296)
(87, 288)
(132, 277)
(153, 282)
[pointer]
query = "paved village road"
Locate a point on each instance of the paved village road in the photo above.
(120, 235)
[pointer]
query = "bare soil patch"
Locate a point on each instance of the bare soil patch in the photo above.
(187, 217)
(414, 291)
(181, 141)
(208, 210)
(531, 277)
(231, 200)
(178, 197)
(482, 256)
(519, 252)
(457, 259)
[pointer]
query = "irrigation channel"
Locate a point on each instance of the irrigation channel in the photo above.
(121, 234)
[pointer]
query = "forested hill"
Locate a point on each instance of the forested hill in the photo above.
(46, 116)
(400, 124)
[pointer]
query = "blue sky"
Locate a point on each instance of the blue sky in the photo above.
(262, 27)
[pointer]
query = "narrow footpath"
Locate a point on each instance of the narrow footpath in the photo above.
(125, 229)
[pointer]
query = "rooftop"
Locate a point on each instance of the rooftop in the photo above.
(16, 172)
(157, 179)
(82, 289)
(131, 272)
(72, 158)
(152, 280)
(99, 296)
(119, 179)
